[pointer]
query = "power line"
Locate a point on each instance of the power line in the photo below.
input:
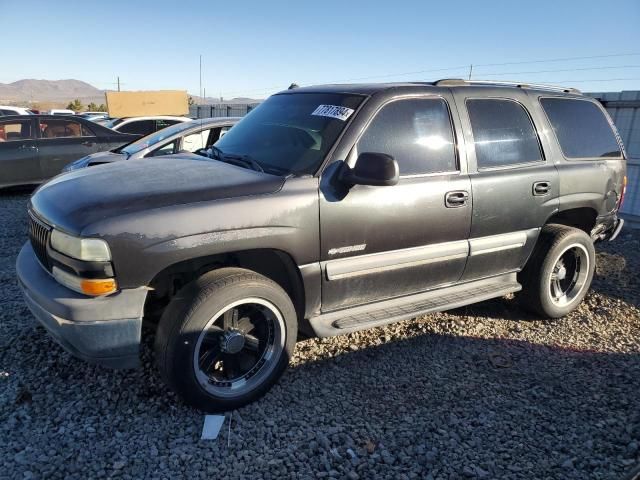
(453, 68)
(561, 70)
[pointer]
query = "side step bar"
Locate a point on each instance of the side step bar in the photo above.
(396, 309)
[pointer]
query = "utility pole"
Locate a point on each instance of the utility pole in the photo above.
(470, 70)
(118, 83)
(200, 79)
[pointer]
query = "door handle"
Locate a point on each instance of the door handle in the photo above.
(455, 199)
(27, 147)
(87, 144)
(541, 188)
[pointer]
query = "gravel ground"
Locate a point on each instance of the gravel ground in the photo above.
(486, 391)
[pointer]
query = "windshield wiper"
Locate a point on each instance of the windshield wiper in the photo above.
(243, 161)
(235, 159)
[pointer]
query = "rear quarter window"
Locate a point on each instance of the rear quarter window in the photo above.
(581, 128)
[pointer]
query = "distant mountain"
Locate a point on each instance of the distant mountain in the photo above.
(63, 91)
(31, 90)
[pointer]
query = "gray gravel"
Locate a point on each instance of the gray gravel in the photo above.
(486, 391)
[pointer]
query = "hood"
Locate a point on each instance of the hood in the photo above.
(94, 159)
(77, 199)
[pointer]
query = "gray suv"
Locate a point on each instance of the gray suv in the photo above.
(324, 211)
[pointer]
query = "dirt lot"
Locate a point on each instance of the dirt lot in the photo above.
(486, 391)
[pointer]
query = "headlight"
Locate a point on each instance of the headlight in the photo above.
(88, 249)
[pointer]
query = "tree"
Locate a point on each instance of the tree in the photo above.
(191, 101)
(92, 107)
(76, 105)
(101, 108)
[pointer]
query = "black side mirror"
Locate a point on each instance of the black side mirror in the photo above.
(377, 169)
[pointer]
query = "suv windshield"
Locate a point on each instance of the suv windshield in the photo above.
(291, 133)
(154, 138)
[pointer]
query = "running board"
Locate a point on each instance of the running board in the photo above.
(396, 309)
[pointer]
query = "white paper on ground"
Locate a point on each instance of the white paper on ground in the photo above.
(212, 426)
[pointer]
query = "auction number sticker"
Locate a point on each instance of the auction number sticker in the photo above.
(333, 111)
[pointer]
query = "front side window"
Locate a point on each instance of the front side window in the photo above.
(168, 149)
(54, 128)
(581, 128)
(155, 138)
(417, 133)
(12, 131)
(291, 132)
(503, 134)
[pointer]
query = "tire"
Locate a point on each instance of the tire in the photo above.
(564, 257)
(198, 347)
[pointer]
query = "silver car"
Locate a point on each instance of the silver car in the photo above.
(190, 137)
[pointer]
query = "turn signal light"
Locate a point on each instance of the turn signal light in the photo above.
(89, 286)
(98, 287)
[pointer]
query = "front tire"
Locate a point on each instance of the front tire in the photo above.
(559, 273)
(226, 338)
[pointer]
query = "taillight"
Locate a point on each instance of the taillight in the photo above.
(624, 190)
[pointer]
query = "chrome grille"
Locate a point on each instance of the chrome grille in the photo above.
(39, 233)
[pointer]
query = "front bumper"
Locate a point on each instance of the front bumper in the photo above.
(101, 330)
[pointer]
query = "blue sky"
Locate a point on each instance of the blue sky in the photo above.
(256, 48)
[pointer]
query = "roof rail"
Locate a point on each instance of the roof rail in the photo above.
(457, 82)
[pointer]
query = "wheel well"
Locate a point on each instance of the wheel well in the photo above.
(274, 264)
(583, 218)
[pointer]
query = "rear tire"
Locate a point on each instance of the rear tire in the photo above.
(559, 273)
(226, 338)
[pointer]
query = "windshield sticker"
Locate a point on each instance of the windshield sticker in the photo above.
(333, 111)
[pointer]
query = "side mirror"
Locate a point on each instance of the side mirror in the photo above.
(377, 169)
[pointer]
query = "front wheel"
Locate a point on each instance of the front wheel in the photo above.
(559, 273)
(226, 338)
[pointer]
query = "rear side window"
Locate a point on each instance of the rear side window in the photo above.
(417, 133)
(12, 131)
(141, 127)
(581, 128)
(160, 124)
(502, 133)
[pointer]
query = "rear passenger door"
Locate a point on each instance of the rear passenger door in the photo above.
(18, 153)
(383, 242)
(515, 188)
(63, 141)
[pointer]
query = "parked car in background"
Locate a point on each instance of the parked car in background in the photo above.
(98, 117)
(144, 125)
(182, 137)
(93, 116)
(6, 110)
(61, 111)
(88, 114)
(34, 148)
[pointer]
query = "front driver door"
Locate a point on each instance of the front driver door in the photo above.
(383, 242)
(18, 153)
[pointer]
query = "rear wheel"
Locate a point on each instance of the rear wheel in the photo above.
(226, 338)
(559, 273)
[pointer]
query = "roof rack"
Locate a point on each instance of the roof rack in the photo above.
(457, 82)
